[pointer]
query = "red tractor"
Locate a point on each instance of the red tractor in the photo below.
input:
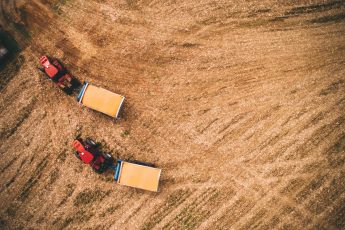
(56, 72)
(88, 153)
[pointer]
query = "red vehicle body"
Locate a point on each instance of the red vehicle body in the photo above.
(56, 72)
(88, 153)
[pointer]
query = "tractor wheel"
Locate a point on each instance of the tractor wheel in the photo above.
(90, 142)
(67, 83)
(98, 171)
(77, 155)
(41, 69)
(109, 158)
(75, 83)
(67, 91)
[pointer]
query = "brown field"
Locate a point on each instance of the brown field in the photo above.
(241, 103)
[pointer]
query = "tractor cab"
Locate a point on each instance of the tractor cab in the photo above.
(45, 61)
(88, 153)
(86, 156)
(56, 72)
(49, 69)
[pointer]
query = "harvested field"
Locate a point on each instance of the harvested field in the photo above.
(240, 103)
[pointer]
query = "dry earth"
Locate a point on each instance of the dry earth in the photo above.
(241, 103)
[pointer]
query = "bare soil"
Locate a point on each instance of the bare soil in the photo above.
(241, 103)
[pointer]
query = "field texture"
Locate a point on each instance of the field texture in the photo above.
(241, 103)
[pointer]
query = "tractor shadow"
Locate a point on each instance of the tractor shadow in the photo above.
(9, 48)
(10, 62)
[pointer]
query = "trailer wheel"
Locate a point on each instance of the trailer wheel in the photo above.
(143, 163)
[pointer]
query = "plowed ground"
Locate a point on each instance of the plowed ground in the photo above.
(241, 103)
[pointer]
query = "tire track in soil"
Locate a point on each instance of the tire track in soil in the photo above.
(274, 118)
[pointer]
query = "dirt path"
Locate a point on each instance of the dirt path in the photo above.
(241, 103)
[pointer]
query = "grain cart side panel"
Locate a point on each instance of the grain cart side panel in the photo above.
(139, 176)
(101, 100)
